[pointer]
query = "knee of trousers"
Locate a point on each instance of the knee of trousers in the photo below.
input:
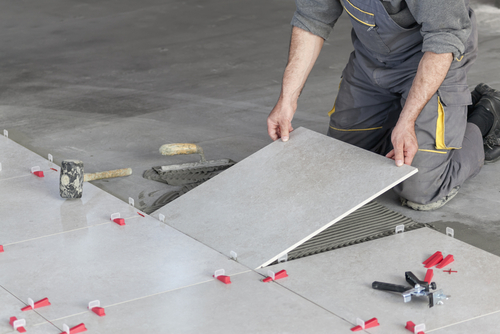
(433, 180)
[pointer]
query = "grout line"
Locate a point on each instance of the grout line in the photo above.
(463, 321)
(14, 177)
(58, 233)
(147, 296)
(51, 235)
(22, 302)
(312, 302)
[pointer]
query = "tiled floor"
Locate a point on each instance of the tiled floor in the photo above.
(109, 82)
(150, 277)
(10, 306)
(245, 306)
(340, 281)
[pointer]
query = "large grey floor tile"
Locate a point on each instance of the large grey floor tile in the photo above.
(247, 305)
(282, 195)
(17, 160)
(11, 307)
(108, 262)
(31, 208)
(340, 280)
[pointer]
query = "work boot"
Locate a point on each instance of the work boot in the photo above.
(490, 100)
(430, 206)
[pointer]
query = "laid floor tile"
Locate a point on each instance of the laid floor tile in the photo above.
(108, 262)
(282, 195)
(341, 280)
(247, 305)
(11, 307)
(17, 160)
(486, 324)
(31, 207)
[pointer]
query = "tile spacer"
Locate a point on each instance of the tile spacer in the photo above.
(399, 229)
(219, 274)
(429, 275)
(410, 326)
(18, 324)
(38, 304)
(283, 258)
(274, 276)
(373, 322)
(416, 329)
(6, 133)
(446, 261)
(449, 271)
(36, 170)
(130, 201)
(99, 311)
(116, 218)
(74, 330)
(450, 232)
(94, 306)
(161, 217)
(433, 260)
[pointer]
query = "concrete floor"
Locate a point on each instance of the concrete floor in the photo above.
(108, 82)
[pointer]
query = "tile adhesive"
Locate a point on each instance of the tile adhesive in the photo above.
(371, 221)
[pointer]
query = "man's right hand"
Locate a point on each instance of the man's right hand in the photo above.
(279, 121)
(304, 50)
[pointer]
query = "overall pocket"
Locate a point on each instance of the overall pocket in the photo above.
(452, 116)
(363, 23)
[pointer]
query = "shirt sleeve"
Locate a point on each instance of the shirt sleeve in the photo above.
(317, 16)
(446, 25)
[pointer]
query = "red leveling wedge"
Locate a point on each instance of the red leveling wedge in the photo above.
(77, 329)
(368, 324)
(278, 275)
(433, 260)
(19, 329)
(38, 304)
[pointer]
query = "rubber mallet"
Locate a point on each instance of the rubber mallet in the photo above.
(72, 177)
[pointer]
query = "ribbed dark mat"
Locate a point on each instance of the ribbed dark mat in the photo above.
(371, 221)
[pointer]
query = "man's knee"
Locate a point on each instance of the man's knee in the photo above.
(432, 182)
(420, 188)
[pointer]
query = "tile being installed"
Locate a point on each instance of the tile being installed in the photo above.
(108, 262)
(31, 207)
(281, 196)
(17, 160)
(341, 281)
(10, 306)
(247, 305)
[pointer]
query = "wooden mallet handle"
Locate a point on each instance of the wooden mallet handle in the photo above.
(107, 175)
(72, 177)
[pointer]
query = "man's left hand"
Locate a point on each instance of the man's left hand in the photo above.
(404, 142)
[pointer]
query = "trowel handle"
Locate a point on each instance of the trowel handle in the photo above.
(389, 287)
(107, 175)
(182, 148)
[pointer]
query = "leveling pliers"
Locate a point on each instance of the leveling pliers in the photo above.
(418, 288)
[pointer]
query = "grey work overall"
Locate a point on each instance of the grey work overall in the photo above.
(374, 87)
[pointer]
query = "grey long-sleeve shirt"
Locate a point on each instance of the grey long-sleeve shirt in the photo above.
(445, 25)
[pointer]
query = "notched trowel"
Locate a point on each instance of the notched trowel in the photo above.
(187, 173)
